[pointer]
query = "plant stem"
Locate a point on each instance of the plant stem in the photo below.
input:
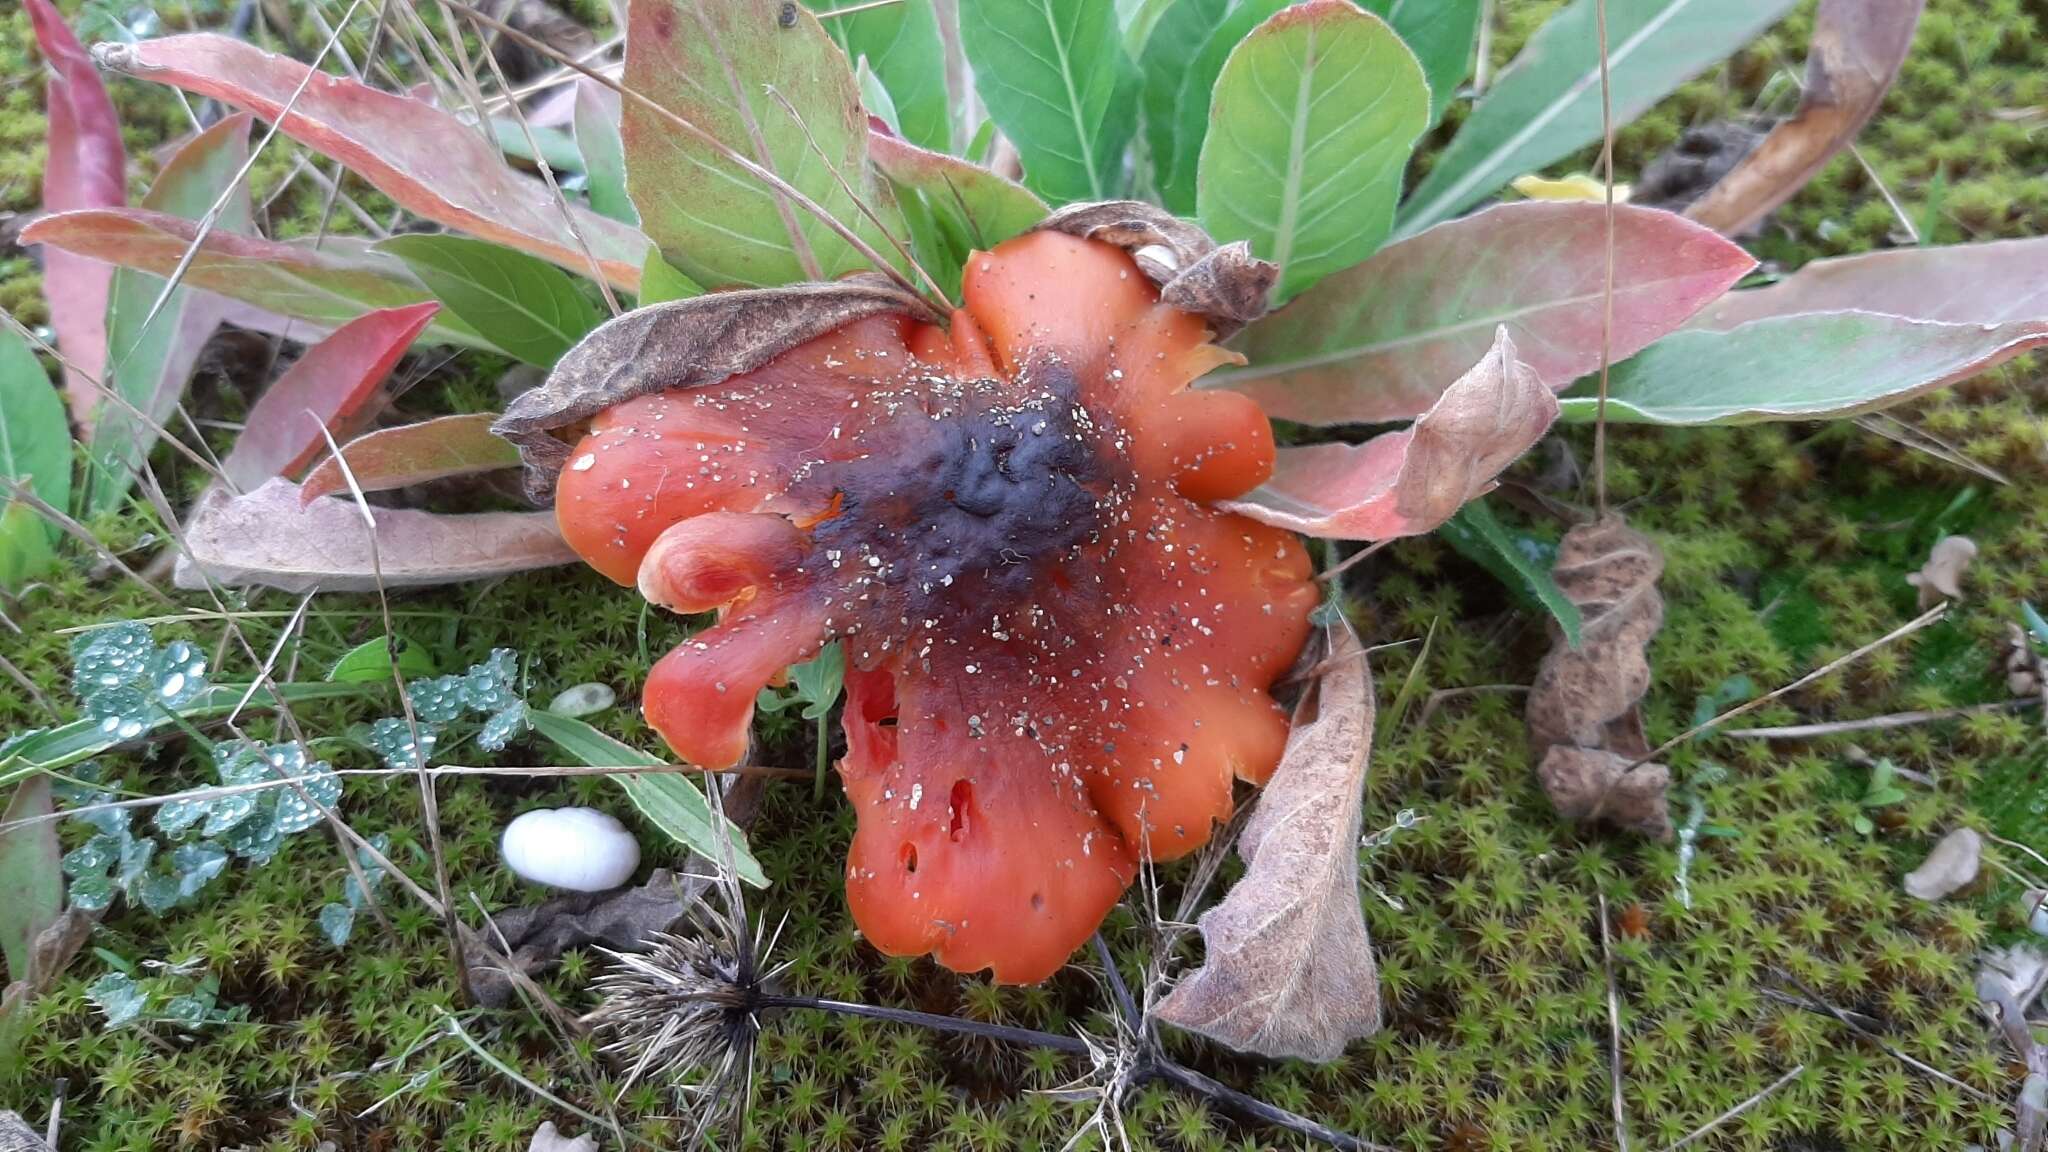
(824, 756)
(1258, 1109)
(932, 1020)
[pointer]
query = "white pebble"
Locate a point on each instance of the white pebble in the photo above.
(580, 849)
(583, 700)
(1951, 865)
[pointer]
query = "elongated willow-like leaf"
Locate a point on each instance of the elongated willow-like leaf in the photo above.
(270, 538)
(333, 388)
(1178, 68)
(31, 873)
(324, 287)
(1806, 366)
(1547, 104)
(86, 168)
(1052, 73)
(35, 449)
(955, 207)
(527, 307)
(1314, 117)
(1858, 46)
(59, 748)
(1442, 34)
(1383, 339)
(901, 44)
(668, 799)
(721, 65)
(414, 454)
(1958, 284)
(1408, 482)
(597, 114)
(426, 160)
(153, 358)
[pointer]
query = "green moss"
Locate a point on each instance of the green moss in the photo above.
(1786, 546)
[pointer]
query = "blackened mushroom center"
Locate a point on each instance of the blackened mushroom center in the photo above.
(968, 505)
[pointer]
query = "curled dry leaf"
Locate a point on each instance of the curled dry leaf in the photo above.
(1227, 285)
(1584, 724)
(1289, 970)
(1941, 578)
(17, 1136)
(690, 343)
(1857, 48)
(269, 538)
(625, 919)
(1409, 482)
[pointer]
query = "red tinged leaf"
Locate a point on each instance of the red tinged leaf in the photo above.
(1408, 482)
(1381, 340)
(334, 386)
(1858, 46)
(87, 168)
(414, 454)
(1994, 283)
(431, 163)
(326, 287)
(269, 538)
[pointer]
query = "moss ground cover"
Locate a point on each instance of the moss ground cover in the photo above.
(1787, 546)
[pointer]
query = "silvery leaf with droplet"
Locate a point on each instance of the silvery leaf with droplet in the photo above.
(157, 892)
(391, 739)
(436, 701)
(491, 685)
(299, 810)
(176, 815)
(135, 856)
(195, 866)
(91, 893)
(255, 840)
(91, 858)
(110, 657)
(337, 921)
(177, 674)
(499, 730)
(123, 713)
(119, 996)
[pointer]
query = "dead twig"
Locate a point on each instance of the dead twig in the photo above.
(1875, 723)
(1613, 1029)
(1739, 1109)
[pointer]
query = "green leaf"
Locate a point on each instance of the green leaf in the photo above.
(525, 306)
(596, 119)
(30, 874)
(1481, 538)
(1442, 34)
(715, 63)
(901, 43)
(2035, 624)
(1546, 105)
(1806, 366)
(150, 364)
(557, 147)
(1313, 119)
(35, 448)
(1178, 70)
(1051, 73)
(874, 97)
(667, 799)
(660, 282)
(370, 662)
(819, 680)
(954, 207)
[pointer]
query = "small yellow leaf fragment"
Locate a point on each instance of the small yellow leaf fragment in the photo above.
(1577, 186)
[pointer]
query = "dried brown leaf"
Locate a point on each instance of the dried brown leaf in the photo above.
(17, 1136)
(268, 538)
(1289, 970)
(1227, 285)
(1584, 724)
(1941, 578)
(625, 920)
(1857, 48)
(689, 343)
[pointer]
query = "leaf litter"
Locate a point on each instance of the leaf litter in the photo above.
(1584, 714)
